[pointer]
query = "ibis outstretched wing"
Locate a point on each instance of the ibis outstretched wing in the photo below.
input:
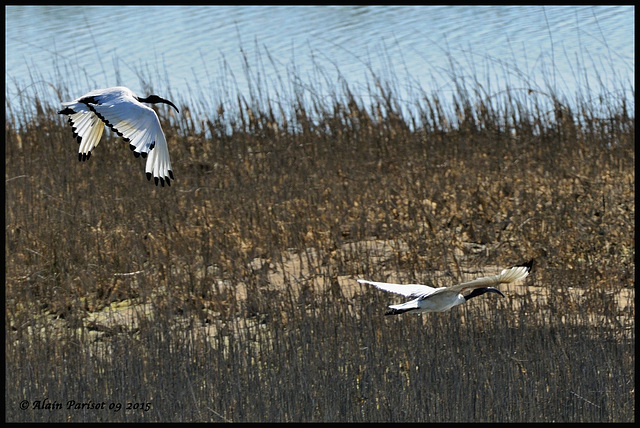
(86, 127)
(508, 275)
(407, 290)
(140, 127)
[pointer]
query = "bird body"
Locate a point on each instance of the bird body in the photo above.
(429, 299)
(122, 110)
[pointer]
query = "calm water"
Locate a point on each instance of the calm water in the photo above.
(193, 50)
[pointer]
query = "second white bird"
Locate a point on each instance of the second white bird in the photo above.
(429, 299)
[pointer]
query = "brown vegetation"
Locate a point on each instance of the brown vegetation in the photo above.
(231, 295)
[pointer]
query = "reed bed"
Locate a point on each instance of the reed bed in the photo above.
(231, 295)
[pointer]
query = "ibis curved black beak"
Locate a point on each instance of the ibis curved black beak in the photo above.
(154, 99)
(480, 291)
(172, 105)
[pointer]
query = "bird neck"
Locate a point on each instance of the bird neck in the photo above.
(154, 99)
(480, 291)
(475, 293)
(151, 99)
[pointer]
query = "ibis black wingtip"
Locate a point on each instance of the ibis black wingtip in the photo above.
(528, 265)
(394, 311)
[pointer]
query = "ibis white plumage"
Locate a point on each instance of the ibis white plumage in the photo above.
(122, 110)
(429, 299)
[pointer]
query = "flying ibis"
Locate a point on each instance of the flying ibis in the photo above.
(122, 111)
(429, 299)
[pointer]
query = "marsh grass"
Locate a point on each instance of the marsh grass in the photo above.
(231, 295)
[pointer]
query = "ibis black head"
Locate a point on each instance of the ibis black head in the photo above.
(154, 99)
(480, 291)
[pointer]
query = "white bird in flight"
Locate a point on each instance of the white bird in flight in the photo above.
(122, 111)
(429, 299)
